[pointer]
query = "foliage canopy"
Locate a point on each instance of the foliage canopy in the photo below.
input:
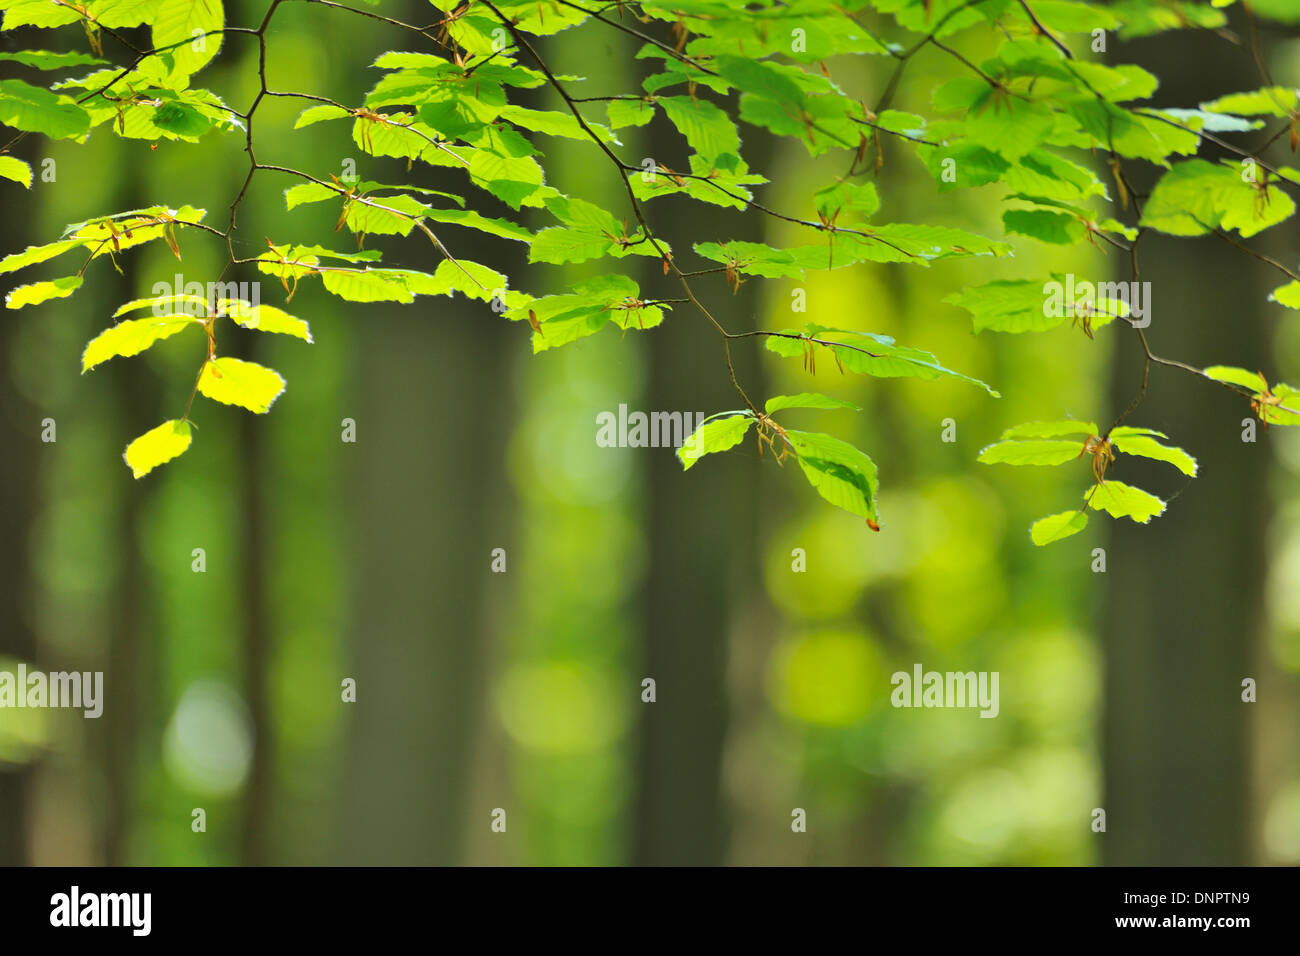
(1044, 121)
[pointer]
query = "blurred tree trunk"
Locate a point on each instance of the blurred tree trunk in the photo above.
(426, 481)
(252, 542)
(256, 638)
(139, 398)
(20, 434)
(703, 543)
(1184, 595)
(131, 646)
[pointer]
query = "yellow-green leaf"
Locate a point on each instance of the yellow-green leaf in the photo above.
(236, 382)
(189, 24)
(1031, 452)
(1131, 443)
(1124, 501)
(1287, 295)
(157, 446)
(168, 305)
(1055, 527)
(717, 435)
(1236, 376)
(16, 170)
(39, 292)
(266, 318)
(131, 338)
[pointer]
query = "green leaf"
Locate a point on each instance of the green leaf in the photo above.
(515, 180)
(860, 200)
(1067, 426)
(35, 254)
(16, 170)
(752, 258)
(841, 473)
(1236, 376)
(559, 244)
(1031, 452)
(624, 113)
(182, 25)
(1058, 526)
(589, 233)
(1270, 101)
(132, 228)
(1057, 228)
(761, 77)
(265, 318)
(714, 436)
(937, 242)
(959, 93)
(366, 285)
(963, 164)
(1010, 127)
(403, 285)
(909, 124)
(1271, 410)
(236, 382)
(867, 353)
(39, 292)
(1196, 197)
(124, 13)
(1045, 174)
(33, 109)
(1118, 84)
(1124, 501)
(1288, 295)
(317, 114)
(1142, 18)
(1131, 442)
(583, 215)
(474, 280)
(586, 310)
(182, 120)
(132, 337)
(554, 123)
(308, 192)
(1284, 11)
(1008, 305)
(194, 306)
(384, 215)
(708, 130)
(157, 446)
(1200, 120)
(806, 400)
(36, 13)
(45, 60)
(473, 220)
(1069, 17)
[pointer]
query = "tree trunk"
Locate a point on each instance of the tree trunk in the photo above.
(20, 433)
(425, 483)
(703, 545)
(1184, 595)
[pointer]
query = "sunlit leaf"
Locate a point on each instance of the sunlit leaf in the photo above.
(1055, 527)
(717, 435)
(157, 446)
(236, 382)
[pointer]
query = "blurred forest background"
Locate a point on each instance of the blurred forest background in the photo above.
(522, 691)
